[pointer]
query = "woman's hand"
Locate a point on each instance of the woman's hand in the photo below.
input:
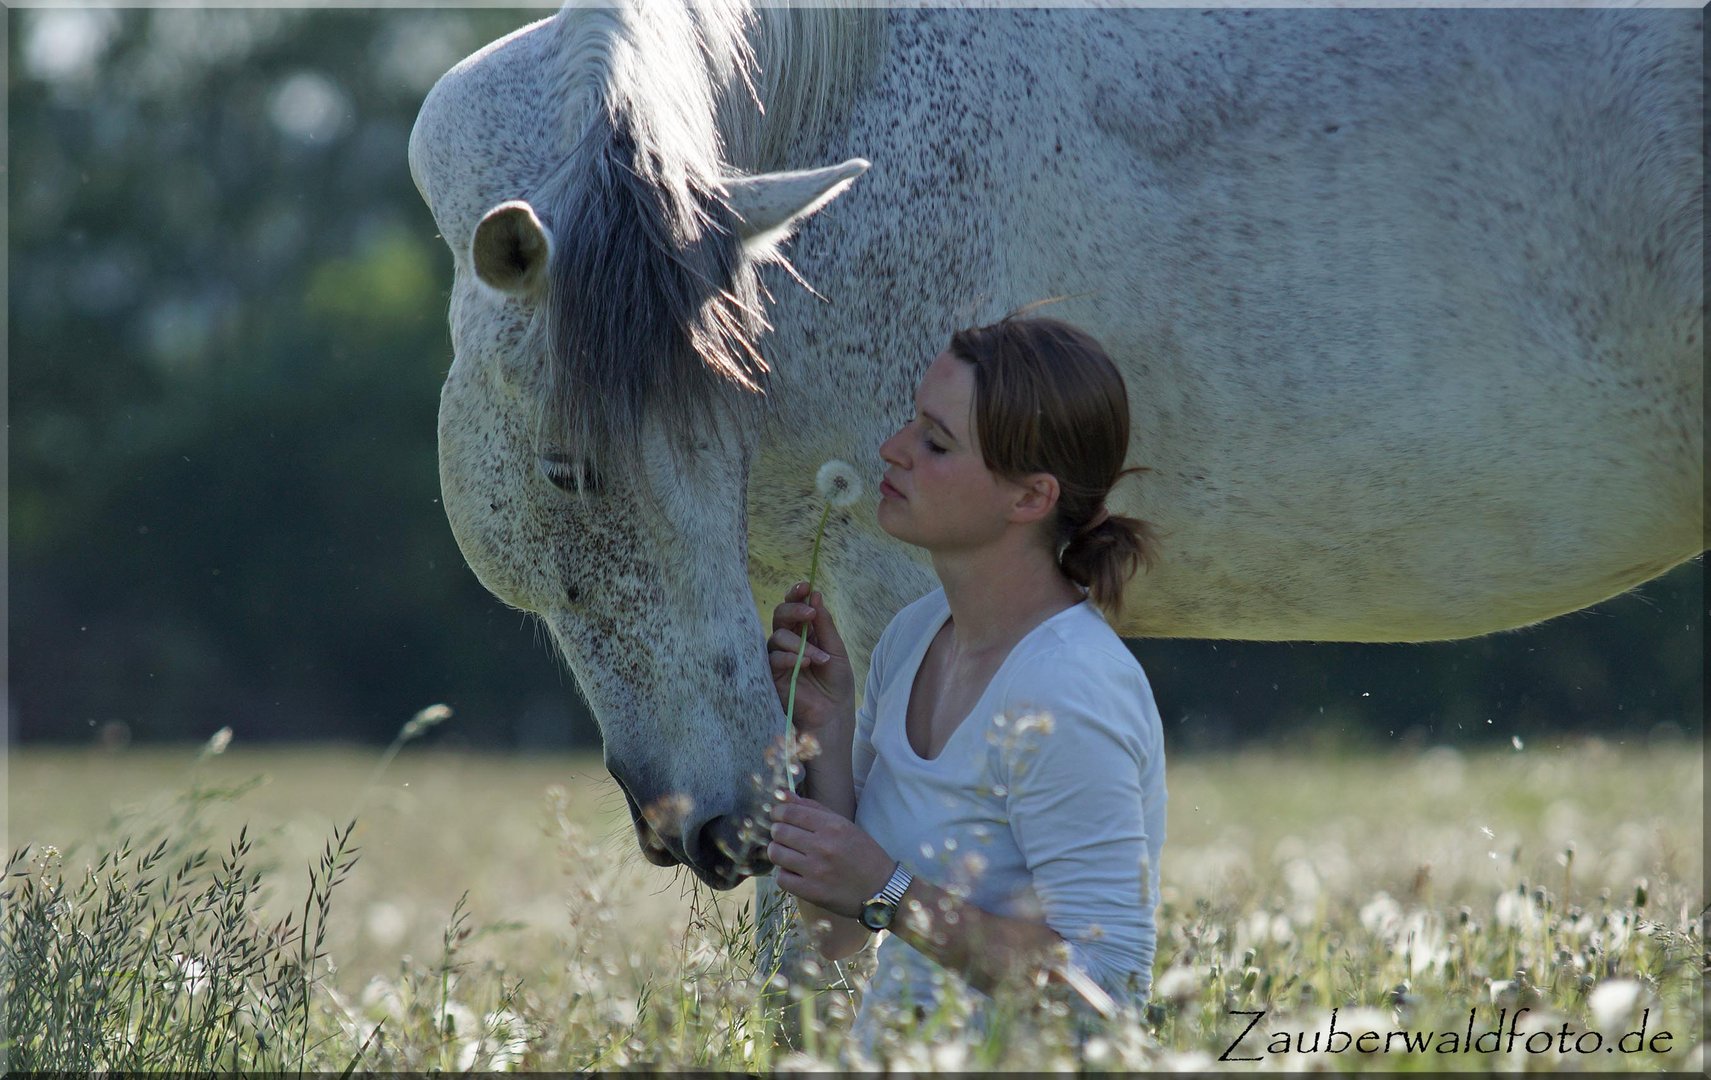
(825, 691)
(825, 858)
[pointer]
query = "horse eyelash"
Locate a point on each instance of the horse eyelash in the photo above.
(575, 477)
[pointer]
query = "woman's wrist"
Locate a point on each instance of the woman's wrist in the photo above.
(829, 779)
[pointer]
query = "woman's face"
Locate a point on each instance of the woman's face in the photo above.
(938, 493)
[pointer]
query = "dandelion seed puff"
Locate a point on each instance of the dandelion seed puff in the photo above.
(1613, 1001)
(1364, 1018)
(507, 1030)
(839, 483)
(1178, 984)
(193, 971)
(218, 742)
(1381, 915)
(386, 923)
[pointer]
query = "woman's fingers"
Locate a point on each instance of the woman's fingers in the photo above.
(825, 630)
(792, 836)
(790, 615)
(785, 643)
(786, 857)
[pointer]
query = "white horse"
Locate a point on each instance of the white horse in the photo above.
(1408, 302)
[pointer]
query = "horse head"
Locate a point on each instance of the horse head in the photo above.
(596, 431)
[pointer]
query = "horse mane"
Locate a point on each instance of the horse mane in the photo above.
(811, 62)
(652, 310)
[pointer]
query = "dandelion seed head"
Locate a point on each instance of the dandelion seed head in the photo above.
(218, 742)
(839, 483)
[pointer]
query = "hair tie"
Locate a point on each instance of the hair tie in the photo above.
(1094, 522)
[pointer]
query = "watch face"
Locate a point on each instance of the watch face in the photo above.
(876, 914)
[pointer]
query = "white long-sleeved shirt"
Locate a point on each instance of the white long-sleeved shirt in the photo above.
(1048, 800)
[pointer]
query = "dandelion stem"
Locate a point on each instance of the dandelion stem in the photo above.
(802, 643)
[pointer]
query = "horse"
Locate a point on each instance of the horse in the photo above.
(1408, 303)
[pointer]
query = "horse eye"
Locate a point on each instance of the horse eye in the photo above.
(568, 474)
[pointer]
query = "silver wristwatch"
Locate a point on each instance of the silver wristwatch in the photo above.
(881, 907)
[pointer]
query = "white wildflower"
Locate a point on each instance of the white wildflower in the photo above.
(839, 483)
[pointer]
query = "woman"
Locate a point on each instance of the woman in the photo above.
(998, 802)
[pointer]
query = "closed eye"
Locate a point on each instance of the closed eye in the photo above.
(931, 445)
(570, 475)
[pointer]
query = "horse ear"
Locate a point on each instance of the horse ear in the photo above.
(512, 249)
(771, 205)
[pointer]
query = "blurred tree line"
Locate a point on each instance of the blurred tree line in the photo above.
(226, 339)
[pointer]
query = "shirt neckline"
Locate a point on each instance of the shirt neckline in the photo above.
(920, 655)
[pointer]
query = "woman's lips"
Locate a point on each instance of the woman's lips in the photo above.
(886, 490)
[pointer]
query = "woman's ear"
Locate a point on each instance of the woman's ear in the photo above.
(1036, 498)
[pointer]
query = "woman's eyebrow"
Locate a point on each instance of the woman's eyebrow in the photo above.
(940, 424)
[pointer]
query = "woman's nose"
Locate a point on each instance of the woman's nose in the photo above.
(888, 451)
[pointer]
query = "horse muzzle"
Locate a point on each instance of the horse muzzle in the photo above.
(722, 849)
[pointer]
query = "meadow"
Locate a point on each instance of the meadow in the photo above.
(497, 916)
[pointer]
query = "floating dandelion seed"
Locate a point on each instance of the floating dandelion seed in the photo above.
(422, 721)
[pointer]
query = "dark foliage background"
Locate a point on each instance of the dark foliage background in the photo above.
(227, 334)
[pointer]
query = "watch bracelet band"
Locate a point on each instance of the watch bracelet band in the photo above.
(894, 889)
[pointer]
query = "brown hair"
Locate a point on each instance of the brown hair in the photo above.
(1048, 399)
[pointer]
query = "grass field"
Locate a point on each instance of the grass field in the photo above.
(499, 916)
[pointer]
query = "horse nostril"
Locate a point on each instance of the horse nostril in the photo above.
(730, 848)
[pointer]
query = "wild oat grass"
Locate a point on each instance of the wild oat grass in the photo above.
(499, 920)
(157, 958)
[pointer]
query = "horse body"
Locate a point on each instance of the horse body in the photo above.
(1408, 305)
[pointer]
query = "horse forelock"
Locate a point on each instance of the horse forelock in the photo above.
(652, 311)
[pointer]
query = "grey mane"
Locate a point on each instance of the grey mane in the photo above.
(651, 309)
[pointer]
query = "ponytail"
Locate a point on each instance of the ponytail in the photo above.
(1105, 551)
